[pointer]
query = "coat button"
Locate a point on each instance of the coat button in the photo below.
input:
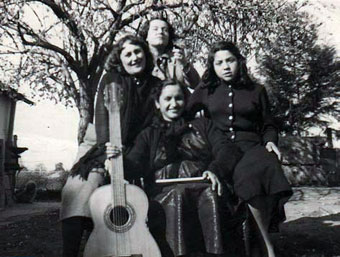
(230, 117)
(230, 105)
(231, 129)
(232, 137)
(230, 94)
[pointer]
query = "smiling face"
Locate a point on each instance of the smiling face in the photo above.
(133, 58)
(225, 65)
(171, 102)
(158, 33)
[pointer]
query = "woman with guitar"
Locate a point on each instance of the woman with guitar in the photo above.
(171, 147)
(129, 65)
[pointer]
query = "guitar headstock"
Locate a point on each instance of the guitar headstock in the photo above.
(115, 97)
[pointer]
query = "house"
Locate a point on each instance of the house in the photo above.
(9, 151)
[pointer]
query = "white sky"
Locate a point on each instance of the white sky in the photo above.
(50, 131)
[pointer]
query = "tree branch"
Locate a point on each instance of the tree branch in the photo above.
(70, 85)
(130, 6)
(146, 10)
(66, 18)
(46, 45)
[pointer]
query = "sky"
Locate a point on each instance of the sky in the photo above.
(50, 131)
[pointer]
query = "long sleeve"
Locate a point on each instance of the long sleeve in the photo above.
(269, 130)
(137, 160)
(191, 76)
(197, 102)
(186, 74)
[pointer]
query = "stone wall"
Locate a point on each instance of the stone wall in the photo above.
(306, 161)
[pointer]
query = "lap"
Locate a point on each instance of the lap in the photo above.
(180, 211)
(258, 173)
(76, 193)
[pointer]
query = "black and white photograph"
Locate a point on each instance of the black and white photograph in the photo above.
(170, 128)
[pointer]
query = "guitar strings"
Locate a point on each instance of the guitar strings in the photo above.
(120, 215)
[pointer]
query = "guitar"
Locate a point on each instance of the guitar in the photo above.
(119, 210)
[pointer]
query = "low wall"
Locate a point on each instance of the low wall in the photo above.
(306, 161)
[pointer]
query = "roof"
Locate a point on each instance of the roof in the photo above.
(13, 94)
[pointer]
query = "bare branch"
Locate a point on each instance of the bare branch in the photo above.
(146, 10)
(70, 83)
(66, 18)
(63, 15)
(121, 4)
(130, 6)
(46, 45)
(37, 16)
(108, 30)
(15, 52)
(85, 6)
(11, 37)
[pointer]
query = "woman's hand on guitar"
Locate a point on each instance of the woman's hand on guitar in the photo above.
(112, 151)
(215, 182)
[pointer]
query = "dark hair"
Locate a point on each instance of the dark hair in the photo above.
(210, 78)
(143, 32)
(113, 61)
(157, 91)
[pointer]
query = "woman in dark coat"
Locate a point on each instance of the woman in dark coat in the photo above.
(240, 109)
(175, 148)
(129, 65)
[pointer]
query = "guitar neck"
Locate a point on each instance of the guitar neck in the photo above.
(117, 171)
(115, 140)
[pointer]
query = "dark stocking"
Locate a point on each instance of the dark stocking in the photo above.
(72, 232)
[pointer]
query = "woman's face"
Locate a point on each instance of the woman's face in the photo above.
(225, 65)
(171, 102)
(133, 58)
(158, 33)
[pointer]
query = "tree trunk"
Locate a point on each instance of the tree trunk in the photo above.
(85, 119)
(86, 109)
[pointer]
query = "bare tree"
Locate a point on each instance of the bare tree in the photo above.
(59, 47)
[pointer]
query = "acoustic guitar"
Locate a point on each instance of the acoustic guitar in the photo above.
(119, 210)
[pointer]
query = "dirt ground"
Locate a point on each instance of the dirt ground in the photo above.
(312, 228)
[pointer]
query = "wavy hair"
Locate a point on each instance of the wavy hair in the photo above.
(113, 61)
(210, 78)
(143, 32)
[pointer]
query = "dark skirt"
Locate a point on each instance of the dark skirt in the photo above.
(259, 173)
(191, 217)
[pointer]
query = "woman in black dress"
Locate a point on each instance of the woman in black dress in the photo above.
(175, 148)
(240, 109)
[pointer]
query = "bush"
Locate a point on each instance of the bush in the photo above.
(49, 183)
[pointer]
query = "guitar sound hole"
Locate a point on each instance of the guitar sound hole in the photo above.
(119, 216)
